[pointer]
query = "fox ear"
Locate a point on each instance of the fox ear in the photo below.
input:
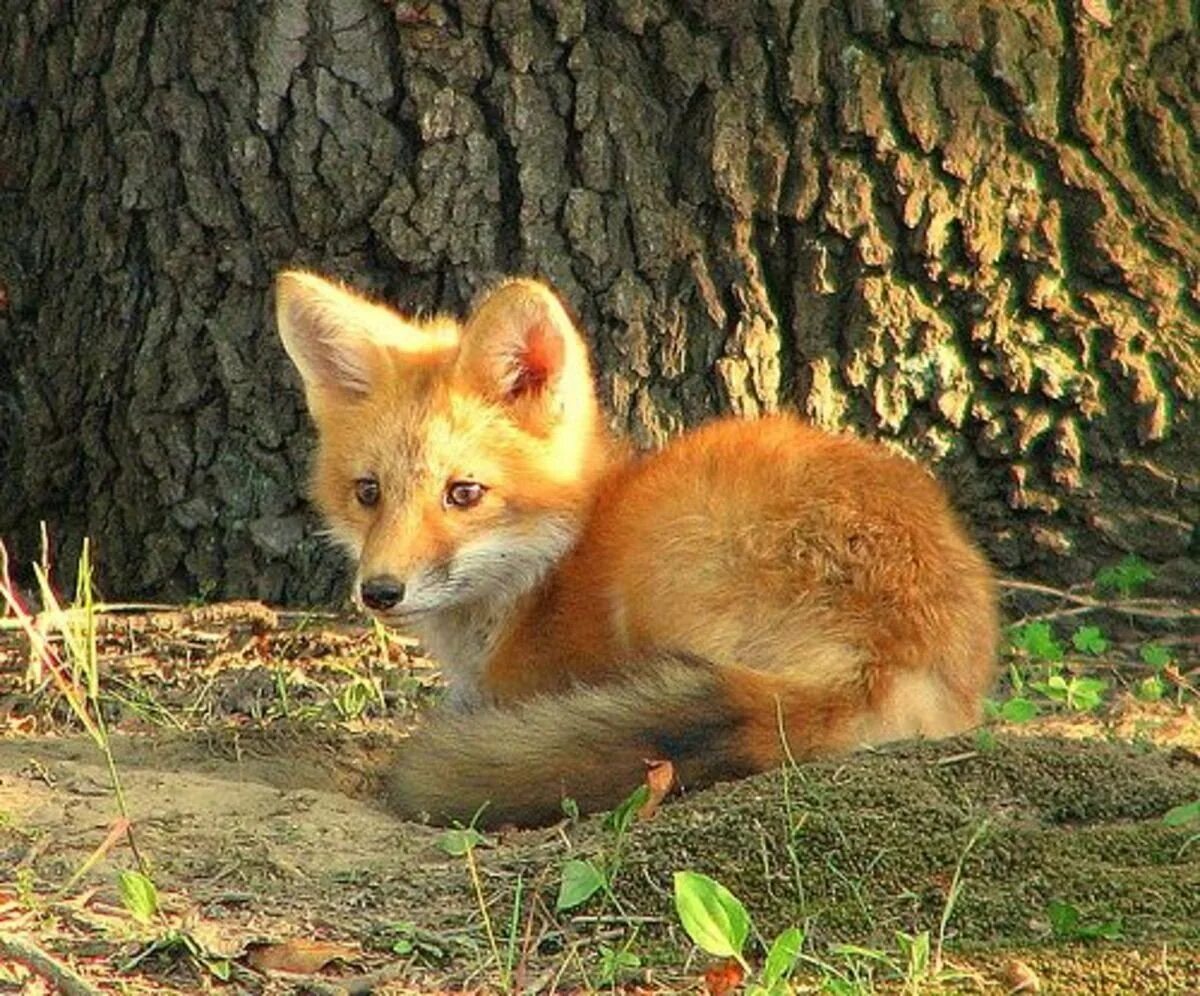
(340, 341)
(521, 349)
(325, 330)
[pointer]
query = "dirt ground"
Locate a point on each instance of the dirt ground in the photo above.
(247, 744)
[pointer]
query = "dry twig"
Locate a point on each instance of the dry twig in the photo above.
(68, 981)
(1149, 608)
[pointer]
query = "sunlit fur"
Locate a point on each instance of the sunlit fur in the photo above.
(754, 590)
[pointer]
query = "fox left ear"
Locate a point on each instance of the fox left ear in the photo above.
(521, 349)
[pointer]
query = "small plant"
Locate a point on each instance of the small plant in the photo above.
(914, 952)
(1156, 655)
(1016, 709)
(175, 943)
(781, 961)
(462, 842)
(618, 962)
(383, 640)
(25, 880)
(1179, 816)
(985, 740)
(713, 917)
(1068, 924)
(1036, 640)
(718, 923)
(1077, 692)
(138, 895)
(582, 878)
(1153, 687)
(78, 677)
(353, 699)
(140, 899)
(1125, 578)
(403, 937)
(1185, 815)
(1089, 640)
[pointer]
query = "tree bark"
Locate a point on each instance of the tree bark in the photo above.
(968, 227)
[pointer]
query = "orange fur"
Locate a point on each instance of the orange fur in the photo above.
(752, 583)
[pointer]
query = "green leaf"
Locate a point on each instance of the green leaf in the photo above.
(782, 957)
(615, 962)
(1126, 577)
(1067, 923)
(570, 809)
(867, 954)
(1018, 710)
(580, 881)
(1064, 918)
(713, 917)
(1178, 816)
(138, 894)
(1085, 694)
(620, 819)
(1110, 930)
(460, 840)
(914, 949)
(1151, 689)
(1155, 655)
(1054, 688)
(221, 968)
(1089, 640)
(1037, 640)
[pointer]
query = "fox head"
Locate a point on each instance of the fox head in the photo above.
(453, 459)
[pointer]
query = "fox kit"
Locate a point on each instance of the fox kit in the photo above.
(754, 590)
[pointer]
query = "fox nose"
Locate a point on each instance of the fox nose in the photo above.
(382, 592)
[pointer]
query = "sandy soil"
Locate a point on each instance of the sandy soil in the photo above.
(247, 747)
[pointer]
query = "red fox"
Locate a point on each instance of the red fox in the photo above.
(755, 590)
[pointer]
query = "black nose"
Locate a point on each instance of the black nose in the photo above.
(381, 593)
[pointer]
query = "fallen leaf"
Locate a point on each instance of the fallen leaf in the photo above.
(21, 724)
(723, 978)
(660, 779)
(1099, 11)
(299, 956)
(1020, 978)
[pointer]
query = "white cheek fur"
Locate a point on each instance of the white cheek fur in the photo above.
(502, 565)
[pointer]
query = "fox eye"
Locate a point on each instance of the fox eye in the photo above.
(463, 494)
(366, 490)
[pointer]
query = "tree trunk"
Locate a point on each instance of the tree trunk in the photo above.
(968, 227)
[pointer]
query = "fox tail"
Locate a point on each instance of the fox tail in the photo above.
(516, 765)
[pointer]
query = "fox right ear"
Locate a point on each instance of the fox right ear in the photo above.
(325, 330)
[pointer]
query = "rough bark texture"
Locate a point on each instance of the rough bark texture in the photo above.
(968, 227)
